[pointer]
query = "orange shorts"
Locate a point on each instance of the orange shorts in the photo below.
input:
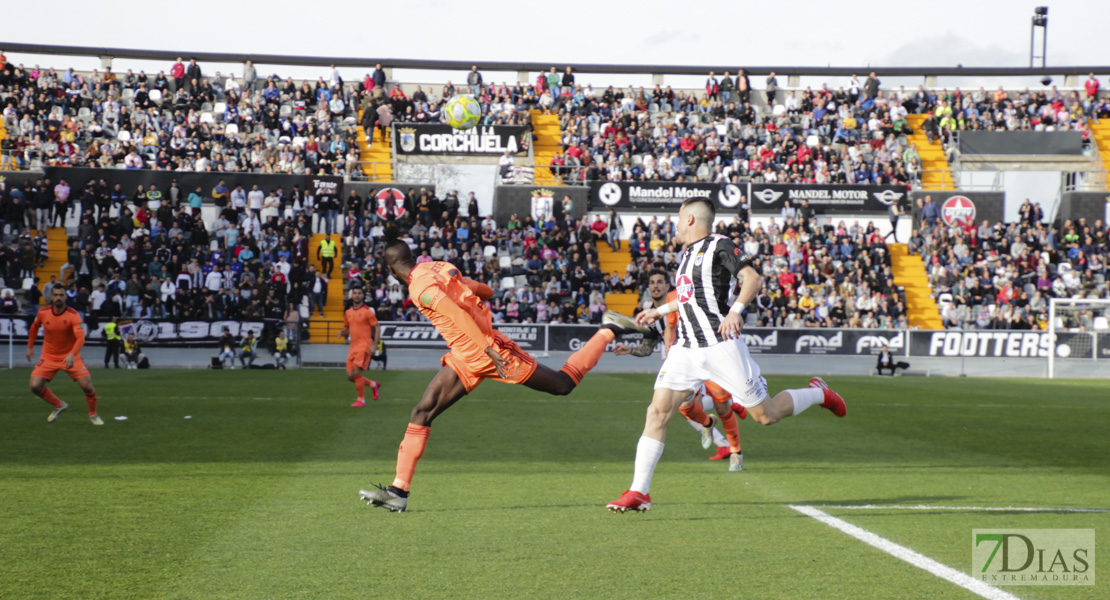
(521, 364)
(358, 360)
(49, 365)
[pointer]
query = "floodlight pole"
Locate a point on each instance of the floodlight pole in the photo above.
(1032, 38)
(1039, 19)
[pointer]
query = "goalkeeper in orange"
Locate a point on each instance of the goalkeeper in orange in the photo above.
(457, 307)
(62, 340)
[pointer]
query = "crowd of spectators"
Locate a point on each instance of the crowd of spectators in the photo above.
(547, 271)
(152, 256)
(189, 120)
(855, 134)
(148, 253)
(1001, 275)
(543, 270)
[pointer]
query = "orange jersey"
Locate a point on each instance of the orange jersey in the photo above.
(433, 283)
(62, 333)
(361, 322)
(672, 319)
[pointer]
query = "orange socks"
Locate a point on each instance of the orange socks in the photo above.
(412, 448)
(728, 422)
(695, 413)
(50, 398)
(91, 400)
(587, 356)
(360, 386)
(732, 431)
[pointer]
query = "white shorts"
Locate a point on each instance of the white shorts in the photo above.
(728, 364)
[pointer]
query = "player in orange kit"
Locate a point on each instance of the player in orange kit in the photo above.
(457, 307)
(62, 340)
(361, 324)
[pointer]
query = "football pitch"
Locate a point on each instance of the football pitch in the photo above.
(244, 485)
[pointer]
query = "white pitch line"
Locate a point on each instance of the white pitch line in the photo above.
(903, 553)
(1032, 509)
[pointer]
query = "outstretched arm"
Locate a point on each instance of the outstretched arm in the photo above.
(461, 319)
(481, 290)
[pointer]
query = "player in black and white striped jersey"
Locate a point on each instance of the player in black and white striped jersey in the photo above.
(709, 346)
(710, 396)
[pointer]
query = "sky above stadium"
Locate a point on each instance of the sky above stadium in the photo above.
(810, 33)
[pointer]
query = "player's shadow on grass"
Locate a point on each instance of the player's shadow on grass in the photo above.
(838, 502)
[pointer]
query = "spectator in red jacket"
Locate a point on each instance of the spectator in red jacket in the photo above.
(177, 71)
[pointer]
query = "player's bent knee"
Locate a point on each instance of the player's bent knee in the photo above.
(565, 386)
(764, 419)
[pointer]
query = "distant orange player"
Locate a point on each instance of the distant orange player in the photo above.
(63, 338)
(457, 307)
(361, 324)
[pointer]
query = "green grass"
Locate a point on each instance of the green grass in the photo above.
(255, 496)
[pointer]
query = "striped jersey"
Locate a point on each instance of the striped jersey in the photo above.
(702, 280)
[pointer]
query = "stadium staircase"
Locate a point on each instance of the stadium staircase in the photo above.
(546, 143)
(909, 272)
(378, 162)
(1101, 131)
(56, 248)
(935, 175)
(609, 261)
(323, 330)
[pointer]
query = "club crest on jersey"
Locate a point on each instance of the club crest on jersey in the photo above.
(697, 259)
(684, 288)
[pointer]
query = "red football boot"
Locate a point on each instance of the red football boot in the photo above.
(833, 402)
(630, 500)
(723, 452)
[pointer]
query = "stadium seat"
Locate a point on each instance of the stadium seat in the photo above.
(155, 96)
(231, 128)
(206, 107)
(489, 252)
(207, 117)
(285, 110)
(124, 136)
(1101, 324)
(220, 108)
(508, 283)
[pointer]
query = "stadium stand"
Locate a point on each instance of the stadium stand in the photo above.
(1001, 275)
(156, 258)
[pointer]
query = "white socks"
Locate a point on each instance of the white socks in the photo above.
(805, 398)
(648, 452)
(718, 437)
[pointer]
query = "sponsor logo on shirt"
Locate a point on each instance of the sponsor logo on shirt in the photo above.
(684, 288)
